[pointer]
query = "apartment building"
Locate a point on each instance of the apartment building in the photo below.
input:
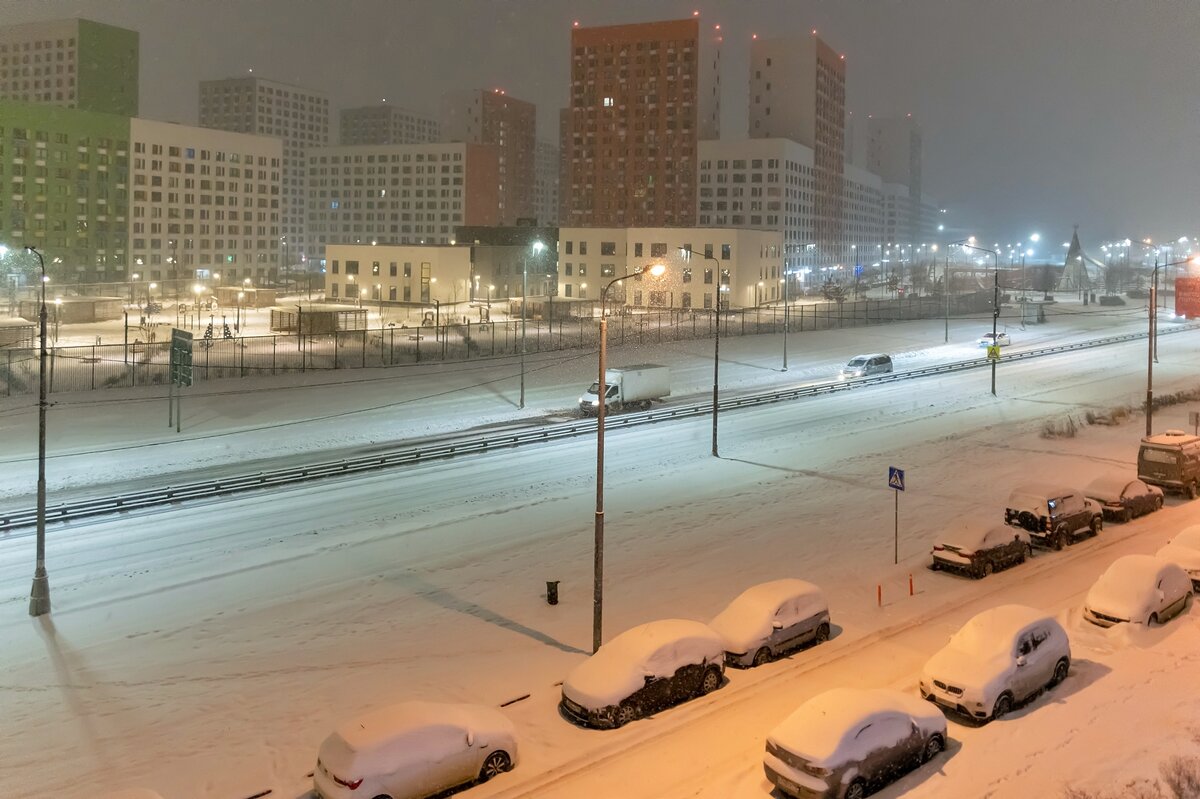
(400, 193)
(204, 202)
(642, 96)
(798, 92)
(509, 125)
(73, 63)
(545, 183)
(296, 115)
(64, 189)
(386, 124)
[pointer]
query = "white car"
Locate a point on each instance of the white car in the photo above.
(1184, 549)
(866, 365)
(644, 669)
(846, 742)
(999, 658)
(1000, 340)
(1142, 589)
(414, 750)
(769, 619)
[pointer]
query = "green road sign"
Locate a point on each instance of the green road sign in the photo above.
(181, 357)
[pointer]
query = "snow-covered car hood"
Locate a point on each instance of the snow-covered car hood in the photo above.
(970, 671)
(1185, 556)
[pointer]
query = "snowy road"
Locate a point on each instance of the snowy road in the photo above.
(208, 649)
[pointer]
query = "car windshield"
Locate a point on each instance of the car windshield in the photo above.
(856, 363)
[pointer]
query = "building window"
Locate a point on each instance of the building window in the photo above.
(725, 252)
(608, 248)
(335, 267)
(375, 268)
(637, 250)
(658, 250)
(608, 102)
(392, 272)
(658, 298)
(708, 278)
(686, 297)
(569, 246)
(687, 274)
(583, 248)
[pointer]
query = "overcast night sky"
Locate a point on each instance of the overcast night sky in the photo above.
(1037, 114)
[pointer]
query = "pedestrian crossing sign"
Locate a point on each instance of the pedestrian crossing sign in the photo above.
(993, 352)
(895, 478)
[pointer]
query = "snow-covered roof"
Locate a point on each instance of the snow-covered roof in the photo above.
(410, 723)
(657, 648)
(822, 730)
(967, 536)
(1188, 537)
(747, 620)
(1171, 438)
(1109, 487)
(1043, 490)
(1127, 585)
(993, 629)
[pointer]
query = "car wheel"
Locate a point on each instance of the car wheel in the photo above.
(933, 747)
(935, 566)
(822, 634)
(1152, 621)
(857, 789)
(762, 656)
(1127, 517)
(497, 762)
(1060, 538)
(1097, 525)
(1003, 705)
(986, 569)
(1193, 490)
(1158, 503)
(711, 681)
(626, 714)
(1060, 672)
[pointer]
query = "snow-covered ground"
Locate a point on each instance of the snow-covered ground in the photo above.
(206, 650)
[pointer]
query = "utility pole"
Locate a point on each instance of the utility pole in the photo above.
(39, 596)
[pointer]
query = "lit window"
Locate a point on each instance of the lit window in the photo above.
(608, 102)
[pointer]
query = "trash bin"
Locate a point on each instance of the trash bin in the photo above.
(552, 592)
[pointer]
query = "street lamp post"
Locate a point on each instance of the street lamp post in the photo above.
(716, 342)
(39, 595)
(995, 299)
(537, 248)
(132, 277)
(598, 547)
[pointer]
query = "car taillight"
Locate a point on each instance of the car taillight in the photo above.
(351, 784)
(939, 548)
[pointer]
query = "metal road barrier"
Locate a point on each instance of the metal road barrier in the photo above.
(449, 448)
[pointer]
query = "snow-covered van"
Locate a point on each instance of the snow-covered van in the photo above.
(1171, 461)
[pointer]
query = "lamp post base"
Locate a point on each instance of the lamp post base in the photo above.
(39, 595)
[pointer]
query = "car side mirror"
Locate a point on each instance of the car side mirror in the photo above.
(1020, 660)
(649, 679)
(777, 625)
(470, 738)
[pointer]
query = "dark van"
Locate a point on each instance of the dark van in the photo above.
(1171, 461)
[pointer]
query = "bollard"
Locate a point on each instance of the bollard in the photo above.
(879, 594)
(910, 585)
(552, 592)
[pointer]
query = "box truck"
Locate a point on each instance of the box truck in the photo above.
(628, 387)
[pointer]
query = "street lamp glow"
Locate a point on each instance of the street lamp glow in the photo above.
(1035, 238)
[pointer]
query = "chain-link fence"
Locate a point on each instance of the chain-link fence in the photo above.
(84, 368)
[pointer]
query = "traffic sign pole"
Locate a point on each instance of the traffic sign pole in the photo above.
(896, 483)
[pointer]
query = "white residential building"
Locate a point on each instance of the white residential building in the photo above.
(409, 273)
(545, 183)
(298, 116)
(202, 202)
(387, 124)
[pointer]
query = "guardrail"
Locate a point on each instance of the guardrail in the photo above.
(82, 509)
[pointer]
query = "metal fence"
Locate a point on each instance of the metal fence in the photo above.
(84, 368)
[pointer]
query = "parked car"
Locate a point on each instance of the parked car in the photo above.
(1142, 589)
(978, 550)
(999, 339)
(1053, 515)
(1171, 461)
(769, 619)
(846, 742)
(1122, 497)
(644, 669)
(866, 365)
(1184, 549)
(414, 750)
(998, 659)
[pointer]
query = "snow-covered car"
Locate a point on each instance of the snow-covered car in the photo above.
(644, 669)
(1142, 589)
(999, 339)
(998, 659)
(1122, 497)
(1184, 549)
(413, 750)
(979, 550)
(847, 742)
(1053, 515)
(772, 618)
(866, 365)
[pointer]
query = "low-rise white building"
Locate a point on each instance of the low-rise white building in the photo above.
(744, 266)
(412, 273)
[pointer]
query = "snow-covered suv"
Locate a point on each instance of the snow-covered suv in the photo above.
(1053, 515)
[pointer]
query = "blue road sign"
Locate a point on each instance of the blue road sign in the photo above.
(895, 478)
